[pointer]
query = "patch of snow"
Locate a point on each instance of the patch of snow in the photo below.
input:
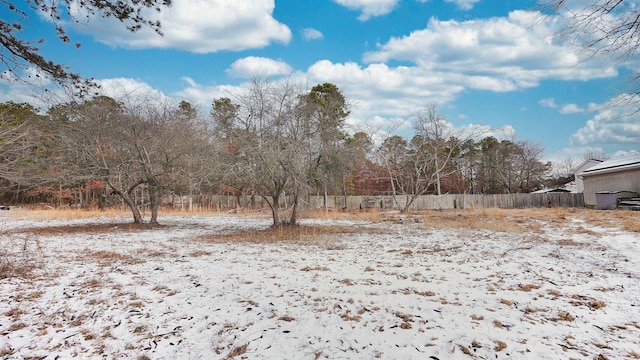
(401, 291)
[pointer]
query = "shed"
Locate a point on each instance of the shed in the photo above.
(608, 200)
(613, 175)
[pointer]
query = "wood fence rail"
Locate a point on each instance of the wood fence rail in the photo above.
(424, 202)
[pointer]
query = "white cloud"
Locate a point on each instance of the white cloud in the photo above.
(131, 91)
(569, 108)
(379, 90)
(616, 122)
(463, 4)
(311, 34)
(498, 54)
(548, 102)
(258, 66)
(202, 95)
(369, 8)
(624, 153)
(199, 26)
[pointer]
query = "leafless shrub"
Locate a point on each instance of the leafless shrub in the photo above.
(19, 255)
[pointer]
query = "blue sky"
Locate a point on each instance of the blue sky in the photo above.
(493, 63)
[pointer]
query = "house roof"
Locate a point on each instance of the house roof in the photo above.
(554, 190)
(586, 165)
(628, 162)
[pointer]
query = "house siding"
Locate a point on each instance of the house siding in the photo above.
(628, 180)
(584, 166)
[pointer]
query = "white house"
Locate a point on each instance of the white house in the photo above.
(579, 183)
(614, 175)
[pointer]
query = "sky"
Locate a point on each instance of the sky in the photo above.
(497, 64)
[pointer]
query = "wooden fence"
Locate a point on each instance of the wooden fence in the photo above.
(424, 202)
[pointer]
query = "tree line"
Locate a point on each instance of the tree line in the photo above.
(272, 139)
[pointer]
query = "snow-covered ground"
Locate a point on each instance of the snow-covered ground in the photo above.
(385, 290)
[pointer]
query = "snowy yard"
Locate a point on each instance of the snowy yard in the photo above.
(341, 289)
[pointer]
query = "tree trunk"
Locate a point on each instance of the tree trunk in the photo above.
(137, 218)
(294, 213)
(154, 203)
(274, 201)
(275, 211)
(126, 198)
(437, 177)
(324, 198)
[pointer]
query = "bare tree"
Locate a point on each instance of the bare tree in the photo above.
(149, 148)
(608, 28)
(16, 140)
(435, 147)
(392, 154)
(272, 141)
(15, 52)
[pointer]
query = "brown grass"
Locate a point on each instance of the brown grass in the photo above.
(237, 351)
(90, 229)
(528, 287)
(297, 234)
(506, 302)
(109, 257)
(564, 316)
(633, 355)
(11, 267)
(465, 350)
(47, 213)
(315, 268)
(500, 345)
(500, 220)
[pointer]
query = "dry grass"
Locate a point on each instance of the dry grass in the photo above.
(501, 220)
(528, 287)
(564, 316)
(46, 213)
(465, 350)
(109, 257)
(498, 220)
(296, 234)
(506, 302)
(11, 267)
(89, 229)
(237, 351)
(633, 355)
(500, 345)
